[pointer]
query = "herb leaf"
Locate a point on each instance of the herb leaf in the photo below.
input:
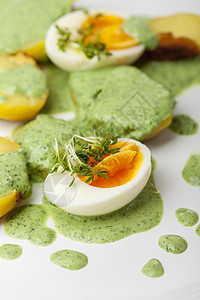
(64, 37)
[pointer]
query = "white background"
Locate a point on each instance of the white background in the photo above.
(114, 270)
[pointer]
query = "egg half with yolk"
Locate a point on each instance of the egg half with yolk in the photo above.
(128, 171)
(98, 27)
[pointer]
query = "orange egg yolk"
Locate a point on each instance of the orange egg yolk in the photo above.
(108, 30)
(122, 166)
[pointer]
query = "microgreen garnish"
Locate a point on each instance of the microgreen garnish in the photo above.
(64, 37)
(91, 49)
(82, 154)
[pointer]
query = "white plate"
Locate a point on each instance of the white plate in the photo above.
(114, 270)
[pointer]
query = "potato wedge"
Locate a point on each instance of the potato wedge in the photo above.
(23, 87)
(180, 25)
(179, 37)
(8, 202)
(8, 145)
(14, 182)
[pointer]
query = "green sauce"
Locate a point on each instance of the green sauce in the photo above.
(138, 28)
(28, 223)
(142, 214)
(119, 101)
(3, 99)
(191, 171)
(24, 23)
(59, 99)
(68, 259)
(198, 230)
(184, 125)
(26, 80)
(172, 243)
(13, 174)
(10, 251)
(153, 268)
(176, 76)
(187, 217)
(37, 139)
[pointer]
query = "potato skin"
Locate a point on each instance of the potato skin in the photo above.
(171, 48)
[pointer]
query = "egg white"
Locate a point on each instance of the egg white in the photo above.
(89, 200)
(74, 59)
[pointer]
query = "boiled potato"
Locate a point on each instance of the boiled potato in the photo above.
(180, 25)
(18, 99)
(12, 171)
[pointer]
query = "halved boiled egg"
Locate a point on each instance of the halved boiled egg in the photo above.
(128, 171)
(99, 32)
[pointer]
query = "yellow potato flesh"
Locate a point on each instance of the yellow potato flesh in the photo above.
(7, 145)
(180, 25)
(8, 202)
(36, 50)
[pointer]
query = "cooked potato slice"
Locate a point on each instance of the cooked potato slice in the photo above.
(180, 25)
(8, 145)
(36, 50)
(8, 202)
(23, 87)
(11, 190)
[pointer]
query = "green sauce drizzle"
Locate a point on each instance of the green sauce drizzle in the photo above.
(186, 217)
(59, 99)
(191, 171)
(142, 214)
(26, 80)
(10, 251)
(184, 125)
(176, 76)
(68, 259)
(198, 230)
(138, 28)
(172, 243)
(13, 174)
(28, 223)
(153, 268)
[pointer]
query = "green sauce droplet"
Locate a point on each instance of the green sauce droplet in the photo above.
(186, 217)
(28, 223)
(184, 125)
(10, 251)
(198, 230)
(68, 259)
(153, 268)
(172, 243)
(191, 171)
